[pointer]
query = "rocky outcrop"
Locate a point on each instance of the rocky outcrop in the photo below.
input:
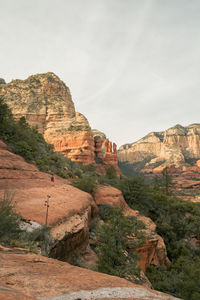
(70, 209)
(46, 103)
(78, 146)
(105, 153)
(176, 146)
(153, 250)
(44, 278)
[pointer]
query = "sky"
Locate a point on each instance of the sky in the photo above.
(132, 66)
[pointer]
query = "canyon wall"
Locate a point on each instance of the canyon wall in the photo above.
(175, 146)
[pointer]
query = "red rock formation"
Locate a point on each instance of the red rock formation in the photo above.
(78, 146)
(110, 157)
(185, 179)
(98, 147)
(153, 251)
(172, 146)
(106, 151)
(70, 209)
(39, 276)
(45, 101)
(69, 213)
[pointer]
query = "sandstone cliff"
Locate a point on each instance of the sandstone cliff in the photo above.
(176, 145)
(46, 103)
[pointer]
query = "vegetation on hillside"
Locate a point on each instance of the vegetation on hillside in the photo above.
(177, 221)
(27, 142)
(12, 232)
(112, 238)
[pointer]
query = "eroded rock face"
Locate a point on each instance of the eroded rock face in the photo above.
(173, 146)
(38, 276)
(45, 101)
(70, 209)
(153, 251)
(106, 151)
(78, 146)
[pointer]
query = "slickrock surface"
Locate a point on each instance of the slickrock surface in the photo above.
(70, 208)
(7, 293)
(153, 251)
(45, 278)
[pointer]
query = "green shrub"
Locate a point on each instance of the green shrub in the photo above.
(87, 184)
(9, 220)
(31, 145)
(176, 221)
(98, 160)
(111, 172)
(11, 233)
(104, 211)
(114, 257)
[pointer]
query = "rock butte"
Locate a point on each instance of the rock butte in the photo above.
(70, 212)
(45, 101)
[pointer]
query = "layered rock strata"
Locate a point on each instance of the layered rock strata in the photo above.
(176, 145)
(105, 153)
(46, 103)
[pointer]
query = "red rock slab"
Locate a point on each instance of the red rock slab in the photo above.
(38, 276)
(31, 188)
(10, 294)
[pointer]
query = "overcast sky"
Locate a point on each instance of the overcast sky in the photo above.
(133, 66)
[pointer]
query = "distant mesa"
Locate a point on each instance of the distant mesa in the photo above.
(177, 148)
(173, 146)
